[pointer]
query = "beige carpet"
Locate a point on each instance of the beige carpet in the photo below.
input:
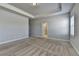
(37, 47)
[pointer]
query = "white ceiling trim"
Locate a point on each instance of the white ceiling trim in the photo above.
(11, 7)
(16, 9)
(53, 14)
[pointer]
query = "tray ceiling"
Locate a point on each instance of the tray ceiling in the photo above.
(43, 9)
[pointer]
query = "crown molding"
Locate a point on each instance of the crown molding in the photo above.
(8, 6)
(13, 8)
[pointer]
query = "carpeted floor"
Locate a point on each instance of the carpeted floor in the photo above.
(38, 47)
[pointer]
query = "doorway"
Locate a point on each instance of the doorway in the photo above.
(45, 29)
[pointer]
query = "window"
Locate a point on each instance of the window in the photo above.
(72, 26)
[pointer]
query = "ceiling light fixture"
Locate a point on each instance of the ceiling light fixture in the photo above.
(34, 4)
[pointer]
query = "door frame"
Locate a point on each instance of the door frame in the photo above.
(45, 30)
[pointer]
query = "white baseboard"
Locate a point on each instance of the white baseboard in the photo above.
(58, 39)
(74, 47)
(12, 40)
(53, 38)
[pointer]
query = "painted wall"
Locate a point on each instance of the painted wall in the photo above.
(58, 27)
(12, 26)
(75, 39)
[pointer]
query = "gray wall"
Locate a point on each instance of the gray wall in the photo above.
(58, 27)
(75, 40)
(12, 26)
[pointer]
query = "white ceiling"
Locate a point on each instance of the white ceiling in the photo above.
(44, 9)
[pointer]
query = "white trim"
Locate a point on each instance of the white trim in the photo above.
(74, 47)
(12, 40)
(8, 6)
(53, 38)
(58, 39)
